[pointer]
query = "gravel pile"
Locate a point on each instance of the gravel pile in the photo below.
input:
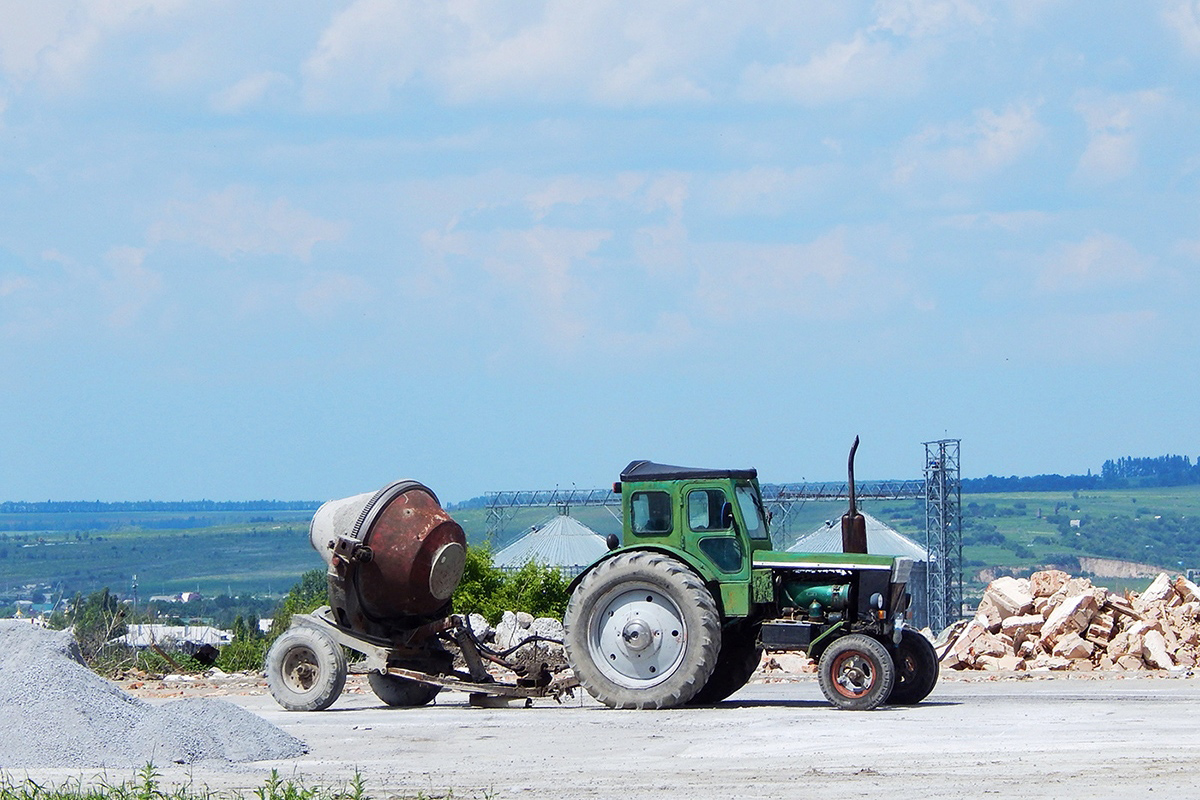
(57, 712)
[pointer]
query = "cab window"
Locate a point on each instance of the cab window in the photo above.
(651, 513)
(704, 509)
(752, 512)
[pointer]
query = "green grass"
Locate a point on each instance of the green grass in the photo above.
(147, 785)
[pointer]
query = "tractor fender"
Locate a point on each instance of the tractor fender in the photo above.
(695, 565)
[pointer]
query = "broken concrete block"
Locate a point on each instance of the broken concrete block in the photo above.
(988, 614)
(1010, 595)
(1155, 652)
(1006, 663)
(1188, 592)
(988, 645)
(1118, 645)
(1100, 631)
(1047, 582)
(1041, 605)
(1130, 662)
(1072, 645)
(1157, 592)
(1076, 586)
(480, 627)
(1106, 663)
(1026, 623)
(1050, 662)
(1073, 615)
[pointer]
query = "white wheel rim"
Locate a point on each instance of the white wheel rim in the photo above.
(637, 636)
(300, 669)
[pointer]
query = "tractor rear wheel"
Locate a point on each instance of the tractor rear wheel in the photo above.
(401, 692)
(856, 672)
(642, 631)
(916, 669)
(740, 656)
(306, 670)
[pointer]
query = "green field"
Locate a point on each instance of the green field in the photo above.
(263, 553)
(216, 553)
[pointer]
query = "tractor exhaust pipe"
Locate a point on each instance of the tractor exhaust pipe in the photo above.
(854, 524)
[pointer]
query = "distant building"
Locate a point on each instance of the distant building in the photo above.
(882, 540)
(561, 541)
(188, 638)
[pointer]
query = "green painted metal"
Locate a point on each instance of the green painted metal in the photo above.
(735, 599)
(818, 645)
(762, 586)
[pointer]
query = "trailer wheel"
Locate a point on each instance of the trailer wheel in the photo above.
(916, 669)
(856, 672)
(401, 692)
(642, 631)
(740, 656)
(306, 670)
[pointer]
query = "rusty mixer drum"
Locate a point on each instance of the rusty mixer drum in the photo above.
(395, 557)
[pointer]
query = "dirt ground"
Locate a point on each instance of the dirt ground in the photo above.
(1056, 735)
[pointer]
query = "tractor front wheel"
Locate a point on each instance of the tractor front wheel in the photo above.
(642, 631)
(856, 672)
(916, 669)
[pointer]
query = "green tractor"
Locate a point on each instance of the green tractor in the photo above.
(679, 611)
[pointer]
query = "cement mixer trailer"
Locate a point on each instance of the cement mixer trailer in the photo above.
(394, 559)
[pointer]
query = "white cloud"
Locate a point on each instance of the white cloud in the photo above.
(740, 280)
(58, 39)
(324, 294)
(1099, 262)
(471, 50)
(859, 67)
(1010, 221)
(235, 222)
(11, 284)
(130, 287)
(964, 151)
(920, 18)
(1112, 121)
(1183, 18)
(249, 91)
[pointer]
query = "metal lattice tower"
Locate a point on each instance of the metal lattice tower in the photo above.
(943, 532)
(503, 505)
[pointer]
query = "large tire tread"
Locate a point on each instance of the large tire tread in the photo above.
(916, 669)
(856, 672)
(695, 603)
(739, 658)
(400, 692)
(306, 670)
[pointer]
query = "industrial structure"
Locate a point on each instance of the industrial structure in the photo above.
(940, 489)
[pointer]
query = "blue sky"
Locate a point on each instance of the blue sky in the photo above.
(296, 250)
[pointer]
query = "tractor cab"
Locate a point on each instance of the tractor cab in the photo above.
(712, 518)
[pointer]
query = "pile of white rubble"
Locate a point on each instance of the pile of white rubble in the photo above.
(1053, 621)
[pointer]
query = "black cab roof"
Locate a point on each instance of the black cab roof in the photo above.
(650, 471)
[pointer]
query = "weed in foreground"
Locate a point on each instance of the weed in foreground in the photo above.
(147, 785)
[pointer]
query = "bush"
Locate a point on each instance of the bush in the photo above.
(488, 590)
(309, 594)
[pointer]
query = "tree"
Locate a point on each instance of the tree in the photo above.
(96, 621)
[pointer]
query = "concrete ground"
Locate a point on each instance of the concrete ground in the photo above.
(1066, 736)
